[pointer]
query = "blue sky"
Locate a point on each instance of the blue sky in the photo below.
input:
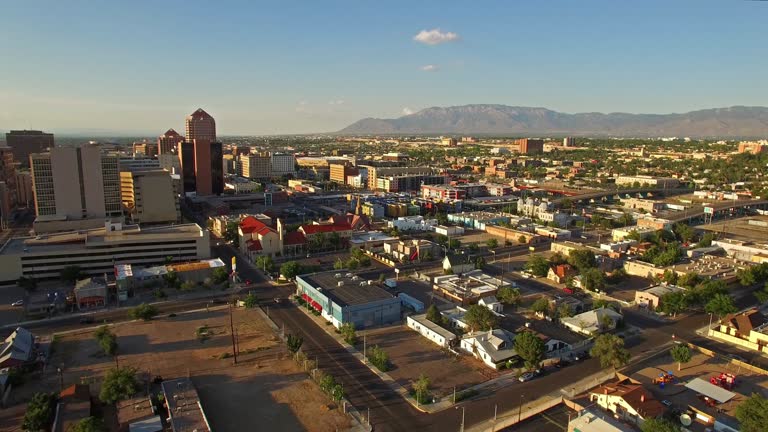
(314, 66)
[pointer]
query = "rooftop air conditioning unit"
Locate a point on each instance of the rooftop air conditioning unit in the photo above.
(337, 275)
(340, 283)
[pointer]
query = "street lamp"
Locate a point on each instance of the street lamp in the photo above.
(520, 409)
(463, 411)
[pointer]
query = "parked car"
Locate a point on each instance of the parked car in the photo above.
(527, 376)
(18, 303)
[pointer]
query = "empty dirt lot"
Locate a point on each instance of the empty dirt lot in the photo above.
(265, 388)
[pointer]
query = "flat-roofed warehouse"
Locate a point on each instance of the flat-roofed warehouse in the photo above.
(342, 297)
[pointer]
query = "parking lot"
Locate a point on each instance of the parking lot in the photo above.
(412, 355)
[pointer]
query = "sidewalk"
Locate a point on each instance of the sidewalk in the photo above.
(63, 317)
(402, 391)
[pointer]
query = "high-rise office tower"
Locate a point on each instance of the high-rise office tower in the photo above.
(8, 191)
(209, 167)
(149, 195)
(200, 126)
(25, 142)
(76, 183)
(168, 142)
(187, 161)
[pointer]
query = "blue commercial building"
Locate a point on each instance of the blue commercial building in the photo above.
(342, 297)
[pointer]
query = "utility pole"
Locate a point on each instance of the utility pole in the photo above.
(232, 333)
(520, 409)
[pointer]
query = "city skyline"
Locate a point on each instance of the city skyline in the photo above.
(310, 68)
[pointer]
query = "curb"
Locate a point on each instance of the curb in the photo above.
(399, 389)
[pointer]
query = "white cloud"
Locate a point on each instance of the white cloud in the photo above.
(407, 111)
(435, 37)
(336, 102)
(430, 68)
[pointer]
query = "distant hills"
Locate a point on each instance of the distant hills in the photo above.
(733, 122)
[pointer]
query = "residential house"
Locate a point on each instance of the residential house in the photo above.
(17, 349)
(430, 330)
(627, 401)
(745, 329)
(491, 303)
(259, 238)
(494, 347)
(457, 264)
(593, 322)
(561, 273)
(651, 297)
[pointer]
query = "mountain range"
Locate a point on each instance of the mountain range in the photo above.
(485, 119)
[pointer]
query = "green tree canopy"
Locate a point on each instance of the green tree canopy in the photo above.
(541, 306)
(721, 304)
(492, 243)
(434, 315)
(39, 414)
(753, 413)
(480, 318)
(508, 295)
(71, 273)
(290, 269)
(107, 340)
(537, 265)
(609, 348)
(530, 348)
(659, 424)
(90, 424)
(582, 259)
(143, 312)
(592, 279)
(220, 275)
(119, 384)
(681, 354)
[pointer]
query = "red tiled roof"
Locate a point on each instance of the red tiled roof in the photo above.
(563, 270)
(76, 391)
(315, 229)
(294, 238)
(252, 225)
(254, 245)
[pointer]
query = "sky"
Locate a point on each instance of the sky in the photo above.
(283, 67)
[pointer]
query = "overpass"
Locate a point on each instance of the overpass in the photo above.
(719, 209)
(621, 192)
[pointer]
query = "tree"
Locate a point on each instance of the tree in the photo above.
(530, 348)
(220, 275)
(479, 263)
(509, 295)
(71, 273)
(421, 388)
(379, 358)
(753, 413)
(626, 219)
(107, 340)
(172, 279)
(593, 279)
(338, 264)
(706, 240)
(689, 280)
(27, 283)
(348, 332)
(582, 259)
(119, 384)
(670, 277)
(492, 243)
(681, 354)
(143, 312)
(541, 306)
(231, 233)
(290, 269)
(564, 311)
(265, 263)
(557, 258)
(537, 265)
(454, 244)
(609, 348)
(720, 304)
(673, 303)
(39, 413)
(522, 239)
(480, 318)
(434, 315)
(251, 301)
(89, 424)
(294, 343)
(659, 424)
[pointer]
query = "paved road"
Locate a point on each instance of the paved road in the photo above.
(389, 412)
